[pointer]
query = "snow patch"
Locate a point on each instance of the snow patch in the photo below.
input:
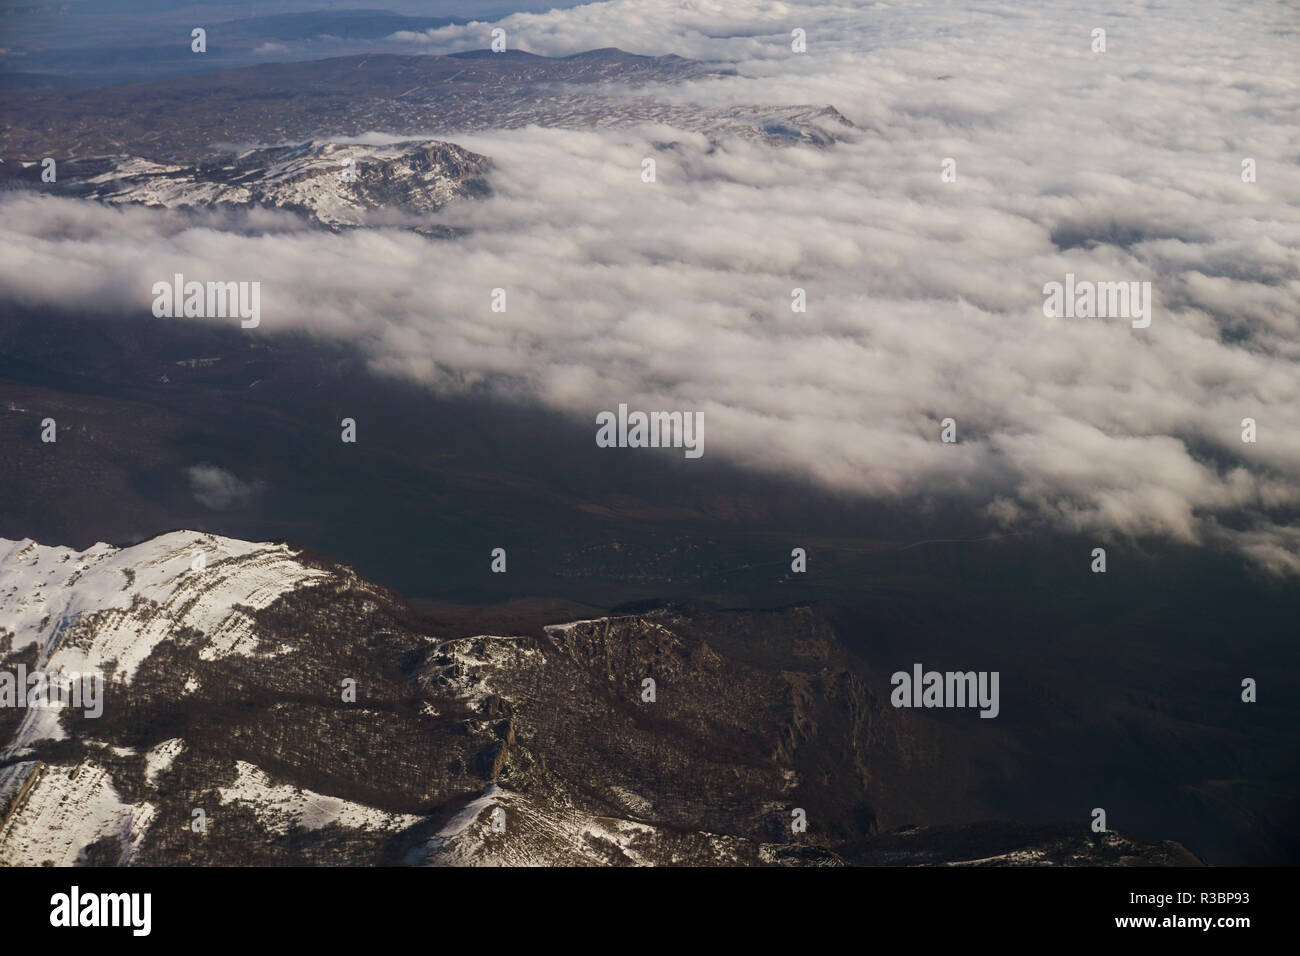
(63, 811)
(160, 759)
(281, 807)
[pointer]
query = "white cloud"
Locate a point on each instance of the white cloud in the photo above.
(218, 489)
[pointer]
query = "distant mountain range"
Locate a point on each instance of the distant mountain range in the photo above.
(345, 97)
(228, 734)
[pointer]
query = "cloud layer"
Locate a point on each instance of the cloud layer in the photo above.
(924, 297)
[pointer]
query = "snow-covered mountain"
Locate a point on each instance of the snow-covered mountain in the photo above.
(264, 705)
(338, 184)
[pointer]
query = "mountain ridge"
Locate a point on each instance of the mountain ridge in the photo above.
(475, 750)
(336, 184)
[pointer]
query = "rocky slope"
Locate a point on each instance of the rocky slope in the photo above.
(229, 736)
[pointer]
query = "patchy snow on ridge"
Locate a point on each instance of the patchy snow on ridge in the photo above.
(537, 835)
(64, 810)
(567, 626)
(281, 807)
(160, 758)
(470, 662)
(108, 608)
(336, 183)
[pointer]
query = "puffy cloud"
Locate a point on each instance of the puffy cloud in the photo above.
(218, 489)
(924, 297)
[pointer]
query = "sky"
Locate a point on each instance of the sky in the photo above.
(924, 296)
